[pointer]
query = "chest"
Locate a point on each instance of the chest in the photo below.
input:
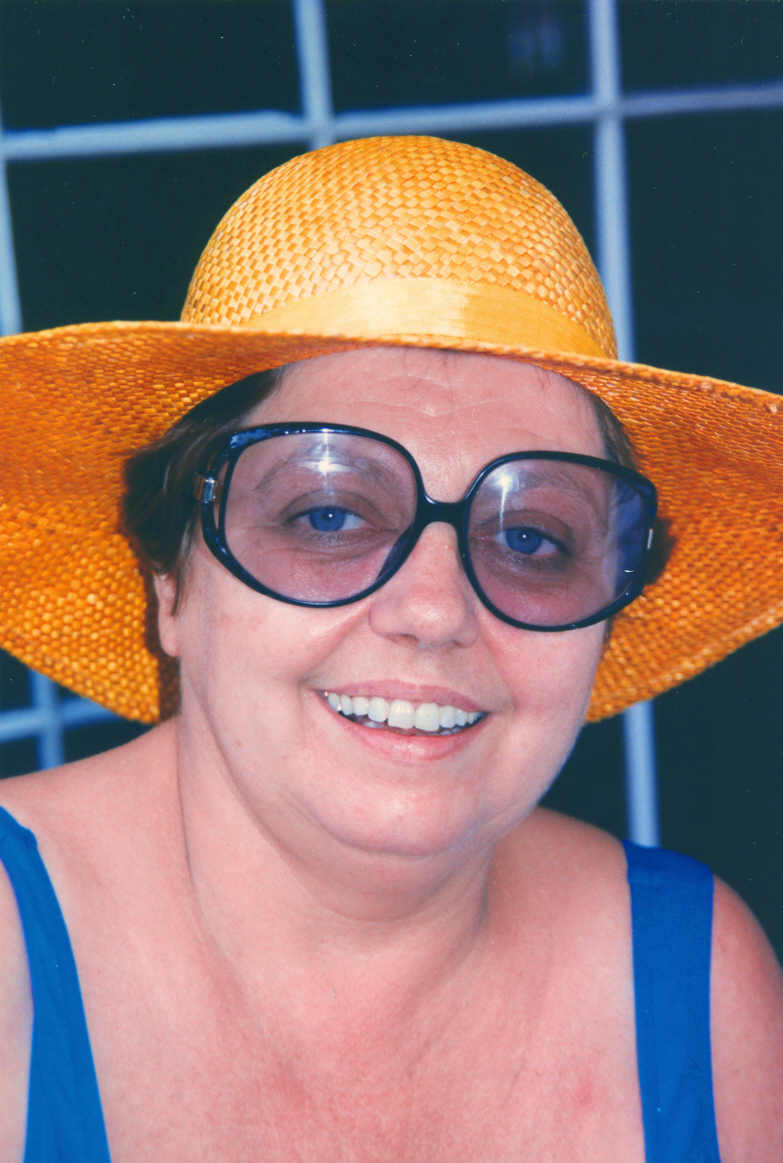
(221, 1094)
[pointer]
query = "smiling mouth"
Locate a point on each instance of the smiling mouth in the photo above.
(403, 716)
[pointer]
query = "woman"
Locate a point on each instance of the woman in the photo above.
(316, 912)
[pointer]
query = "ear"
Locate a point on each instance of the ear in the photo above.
(168, 623)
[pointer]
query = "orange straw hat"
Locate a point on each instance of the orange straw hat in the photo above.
(408, 240)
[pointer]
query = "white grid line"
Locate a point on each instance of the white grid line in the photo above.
(49, 725)
(312, 49)
(610, 177)
(270, 127)
(10, 312)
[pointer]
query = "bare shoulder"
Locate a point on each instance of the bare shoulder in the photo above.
(68, 799)
(573, 855)
(568, 879)
(747, 1035)
(97, 822)
(85, 814)
(75, 814)
(46, 804)
(65, 809)
(586, 869)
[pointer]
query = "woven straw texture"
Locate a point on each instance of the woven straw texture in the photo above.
(397, 240)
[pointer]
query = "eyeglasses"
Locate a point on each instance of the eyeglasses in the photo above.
(323, 515)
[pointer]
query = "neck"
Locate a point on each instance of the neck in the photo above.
(275, 897)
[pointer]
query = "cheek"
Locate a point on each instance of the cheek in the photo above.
(551, 675)
(554, 691)
(241, 642)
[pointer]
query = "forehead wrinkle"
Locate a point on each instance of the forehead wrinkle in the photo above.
(466, 411)
(454, 410)
(456, 379)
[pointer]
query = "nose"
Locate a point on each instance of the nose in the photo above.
(429, 601)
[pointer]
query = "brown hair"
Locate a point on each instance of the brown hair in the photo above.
(159, 504)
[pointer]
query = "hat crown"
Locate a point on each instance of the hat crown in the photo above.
(397, 208)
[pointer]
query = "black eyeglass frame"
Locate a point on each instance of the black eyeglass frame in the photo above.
(210, 491)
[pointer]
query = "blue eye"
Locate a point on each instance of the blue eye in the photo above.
(523, 539)
(332, 519)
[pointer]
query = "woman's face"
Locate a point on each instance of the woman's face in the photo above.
(255, 671)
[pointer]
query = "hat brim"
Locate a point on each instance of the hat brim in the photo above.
(77, 400)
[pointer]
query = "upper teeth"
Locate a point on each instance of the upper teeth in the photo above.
(401, 713)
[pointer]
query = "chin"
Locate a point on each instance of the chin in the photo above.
(410, 826)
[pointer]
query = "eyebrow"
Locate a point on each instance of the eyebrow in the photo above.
(557, 476)
(527, 474)
(340, 458)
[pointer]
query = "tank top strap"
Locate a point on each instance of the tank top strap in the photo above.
(64, 1114)
(671, 914)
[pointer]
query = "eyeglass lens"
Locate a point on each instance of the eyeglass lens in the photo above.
(319, 517)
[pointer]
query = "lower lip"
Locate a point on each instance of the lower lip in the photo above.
(415, 746)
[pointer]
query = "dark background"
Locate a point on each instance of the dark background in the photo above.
(117, 237)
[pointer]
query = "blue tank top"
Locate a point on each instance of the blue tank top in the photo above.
(671, 909)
